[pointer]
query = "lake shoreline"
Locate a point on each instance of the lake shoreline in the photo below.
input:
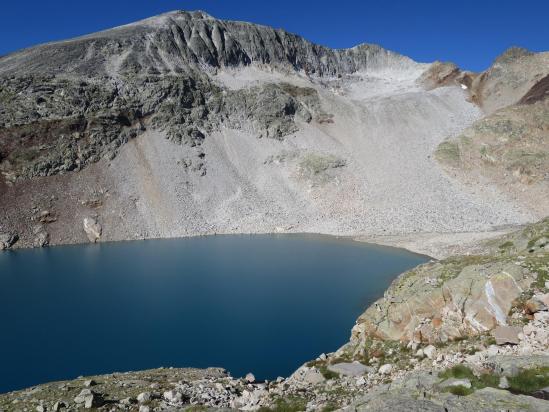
(376, 370)
(433, 245)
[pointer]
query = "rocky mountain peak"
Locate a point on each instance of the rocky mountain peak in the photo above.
(181, 41)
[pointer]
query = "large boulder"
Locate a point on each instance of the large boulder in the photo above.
(7, 240)
(459, 296)
(92, 228)
(445, 300)
(350, 368)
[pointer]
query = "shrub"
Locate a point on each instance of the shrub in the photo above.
(529, 380)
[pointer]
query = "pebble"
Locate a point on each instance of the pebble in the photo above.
(386, 369)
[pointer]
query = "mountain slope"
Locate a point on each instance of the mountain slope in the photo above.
(183, 124)
(510, 147)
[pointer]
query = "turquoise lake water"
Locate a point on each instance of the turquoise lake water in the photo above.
(262, 303)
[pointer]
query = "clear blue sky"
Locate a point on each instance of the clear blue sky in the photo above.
(469, 33)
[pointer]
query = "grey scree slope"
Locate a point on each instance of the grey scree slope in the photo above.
(183, 124)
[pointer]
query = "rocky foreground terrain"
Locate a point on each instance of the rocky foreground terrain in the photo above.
(183, 124)
(464, 333)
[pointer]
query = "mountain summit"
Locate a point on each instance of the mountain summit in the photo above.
(183, 124)
(178, 41)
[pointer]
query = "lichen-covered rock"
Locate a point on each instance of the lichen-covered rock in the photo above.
(456, 297)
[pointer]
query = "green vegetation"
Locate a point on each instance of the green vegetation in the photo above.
(530, 380)
(453, 266)
(328, 374)
(323, 368)
(526, 382)
(314, 164)
(540, 266)
(463, 372)
(506, 246)
(457, 372)
(449, 152)
(286, 405)
(459, 390)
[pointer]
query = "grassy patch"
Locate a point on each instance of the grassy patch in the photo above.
(540, 266)
(506, 246)
(449, 152)
(323, 369)
(327, 373)
(286, 405)
(314, 164)
(453, 266)
(526, 382)
(457, 372)
(463, 372)
(529, 380)
(459, 390)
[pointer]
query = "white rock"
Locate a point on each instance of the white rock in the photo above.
(92, 228)
(492, 350)
(542, 316)
(420, 353)
(58, 405)
(456, 382)
(81, 397)
(250, 378)
(313, 376)
(144, 397)
(144, 408)
(430, 351)
(349, 369)
(89, 383)
(386, 369)
(172, 396)
(503, 383)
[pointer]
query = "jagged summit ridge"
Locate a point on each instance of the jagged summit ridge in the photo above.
(179, 41)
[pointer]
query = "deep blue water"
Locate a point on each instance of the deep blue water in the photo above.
(263, 304)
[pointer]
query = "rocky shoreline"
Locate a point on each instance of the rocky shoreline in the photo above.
(481, 350)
